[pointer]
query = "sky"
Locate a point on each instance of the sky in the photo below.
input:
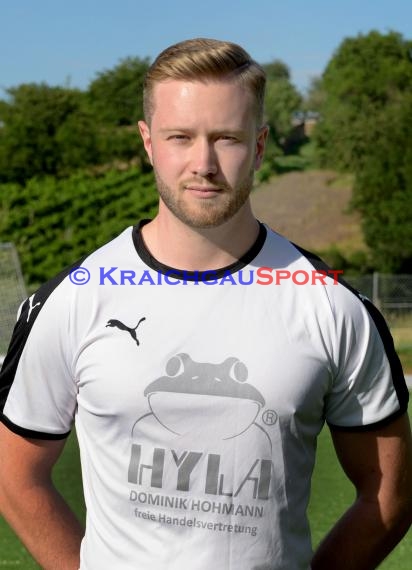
(67, 42)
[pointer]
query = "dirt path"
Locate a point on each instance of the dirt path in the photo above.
(309, 209)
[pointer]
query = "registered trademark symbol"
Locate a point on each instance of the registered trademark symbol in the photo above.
(269, 417)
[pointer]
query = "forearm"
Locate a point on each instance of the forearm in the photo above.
(363, 537)
(45, 524)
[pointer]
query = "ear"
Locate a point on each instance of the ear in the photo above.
(147, 139)
(260, 145)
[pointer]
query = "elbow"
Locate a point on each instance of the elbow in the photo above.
(396, 514)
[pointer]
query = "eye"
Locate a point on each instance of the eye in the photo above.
(178, 138)
(238, 371)
(227, 138)
(176, 365)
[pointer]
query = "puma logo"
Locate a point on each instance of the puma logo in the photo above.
(123, 327)
(31, 306)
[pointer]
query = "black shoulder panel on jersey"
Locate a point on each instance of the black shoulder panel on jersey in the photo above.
(383, 330)
(28, 315)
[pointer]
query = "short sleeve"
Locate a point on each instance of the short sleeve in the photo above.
(369, 388)
(38, 393)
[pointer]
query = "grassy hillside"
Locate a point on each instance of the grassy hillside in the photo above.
(310, 208)
(54, 222)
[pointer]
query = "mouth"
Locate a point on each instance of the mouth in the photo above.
(203, 191)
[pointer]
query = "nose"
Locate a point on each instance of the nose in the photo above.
(204, 159)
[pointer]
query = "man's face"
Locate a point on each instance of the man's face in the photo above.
(204, 147)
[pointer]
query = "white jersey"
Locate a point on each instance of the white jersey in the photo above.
(198, 398)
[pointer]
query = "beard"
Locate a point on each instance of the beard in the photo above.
(207, 212)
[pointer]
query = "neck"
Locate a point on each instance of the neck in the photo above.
(177, 245)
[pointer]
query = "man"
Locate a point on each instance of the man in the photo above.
(198, 392)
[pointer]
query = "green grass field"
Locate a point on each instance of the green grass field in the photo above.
(331, 494)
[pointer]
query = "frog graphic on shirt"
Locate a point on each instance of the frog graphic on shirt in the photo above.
(194, 399)
(203, 433)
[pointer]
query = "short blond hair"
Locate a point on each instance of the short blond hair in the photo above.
(203, 59)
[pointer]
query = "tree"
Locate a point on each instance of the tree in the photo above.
(116, 95)
(276, 70)
(34, 137)
(383, 190)
(315, 97)
(115, 99)
(281, 102)
(365, 77)
(366, 127)
(78, 142)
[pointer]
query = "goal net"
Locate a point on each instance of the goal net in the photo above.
(12, 293)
